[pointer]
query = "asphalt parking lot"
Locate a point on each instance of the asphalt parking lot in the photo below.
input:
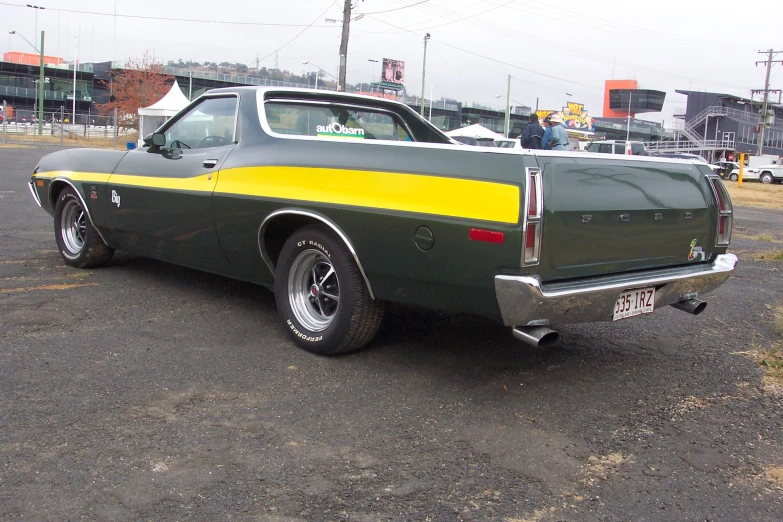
(145, 391)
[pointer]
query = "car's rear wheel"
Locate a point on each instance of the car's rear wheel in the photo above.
(79, 243)
(321, 296)
(767, 178)
(734, 177)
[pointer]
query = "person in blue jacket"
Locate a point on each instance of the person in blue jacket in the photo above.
(547, 134)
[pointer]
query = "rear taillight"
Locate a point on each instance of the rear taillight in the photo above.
(532, 221)
(725, 214)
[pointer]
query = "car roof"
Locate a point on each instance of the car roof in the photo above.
(263, 91)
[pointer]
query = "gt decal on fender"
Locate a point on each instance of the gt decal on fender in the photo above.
(115, 198)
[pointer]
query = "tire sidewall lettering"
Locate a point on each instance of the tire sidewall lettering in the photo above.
(306, 243)
(302, 336)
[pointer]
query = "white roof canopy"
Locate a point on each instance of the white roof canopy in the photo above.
(476, 131)
(173, 102)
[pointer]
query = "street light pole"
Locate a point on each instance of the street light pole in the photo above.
(424, 73)
(41, 88)
(372, 74)
(508, 106)
(37, 8)
(628, 131)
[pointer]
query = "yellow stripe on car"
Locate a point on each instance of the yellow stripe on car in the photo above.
(95, 177)
(441, 196)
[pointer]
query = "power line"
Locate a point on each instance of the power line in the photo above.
(300, 33)
(514, 34)
(492, 59)
(167, 19)
(398, 8)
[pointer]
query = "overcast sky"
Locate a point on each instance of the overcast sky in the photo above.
(549, 48)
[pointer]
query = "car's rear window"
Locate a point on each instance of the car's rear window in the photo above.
(637, 149)
(333, 121)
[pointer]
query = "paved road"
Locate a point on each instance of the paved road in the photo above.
(148, 391)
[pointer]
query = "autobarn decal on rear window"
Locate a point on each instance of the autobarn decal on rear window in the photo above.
(338, 130)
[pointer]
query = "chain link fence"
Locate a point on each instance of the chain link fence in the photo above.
(61, 128)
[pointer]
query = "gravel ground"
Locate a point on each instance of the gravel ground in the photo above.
(145, 391)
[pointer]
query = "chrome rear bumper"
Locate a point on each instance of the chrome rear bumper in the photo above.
(525, 301)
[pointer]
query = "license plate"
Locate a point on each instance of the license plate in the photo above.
(634, 302)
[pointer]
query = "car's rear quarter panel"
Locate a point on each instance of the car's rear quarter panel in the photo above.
(482, 190)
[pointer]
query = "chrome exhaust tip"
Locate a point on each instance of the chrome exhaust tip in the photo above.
(538, 336)
(692, 306)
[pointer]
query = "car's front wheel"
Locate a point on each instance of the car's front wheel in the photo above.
(79, 243)
(734, 177)
(766, 178)
(321, 296)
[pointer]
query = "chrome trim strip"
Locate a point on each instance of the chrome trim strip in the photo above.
(322, 219)
(533, 172)
(265, 123)
(713, 181)
(81, 200)
(525, 301)
(31, 186)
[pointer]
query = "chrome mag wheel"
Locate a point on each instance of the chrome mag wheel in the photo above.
(73, 227)
(313, 290)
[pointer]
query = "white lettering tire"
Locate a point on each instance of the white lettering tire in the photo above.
(321, 296)
(79, 243)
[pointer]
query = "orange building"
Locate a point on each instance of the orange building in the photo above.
(622, 95)
(31, 59)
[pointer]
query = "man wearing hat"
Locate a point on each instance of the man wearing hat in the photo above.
(547, 134)
(559, 138)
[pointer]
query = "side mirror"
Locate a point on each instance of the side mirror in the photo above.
(159, 139)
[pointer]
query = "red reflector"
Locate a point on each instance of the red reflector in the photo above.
(530, 235)
(722, 226)
(532, 198)
(490, 236)
(40, 183)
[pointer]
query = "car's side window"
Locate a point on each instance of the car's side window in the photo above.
(211, 123)
(619, 148)
(637, 149)
(605, 148)
(334, 121)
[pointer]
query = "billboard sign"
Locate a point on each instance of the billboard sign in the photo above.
(393, 71)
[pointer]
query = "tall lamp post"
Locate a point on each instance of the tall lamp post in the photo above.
(628, 131)
(40, 76)
(308, 64)
(37, 8)
(424, 73)
(507, 125)
(372, 74)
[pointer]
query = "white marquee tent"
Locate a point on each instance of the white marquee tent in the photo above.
(476, 131)
(152, 117)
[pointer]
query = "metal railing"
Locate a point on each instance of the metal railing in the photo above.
(58, 129)
(688, 145)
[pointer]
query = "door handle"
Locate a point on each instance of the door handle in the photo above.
(210, 163)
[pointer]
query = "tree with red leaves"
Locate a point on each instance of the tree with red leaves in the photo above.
(140, 84)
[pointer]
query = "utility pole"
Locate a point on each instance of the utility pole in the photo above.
(763, 119)
(344, 45)
(508, 105)
(424, 73)
(41, 88)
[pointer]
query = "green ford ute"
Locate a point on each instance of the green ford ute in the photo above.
(342, 203)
